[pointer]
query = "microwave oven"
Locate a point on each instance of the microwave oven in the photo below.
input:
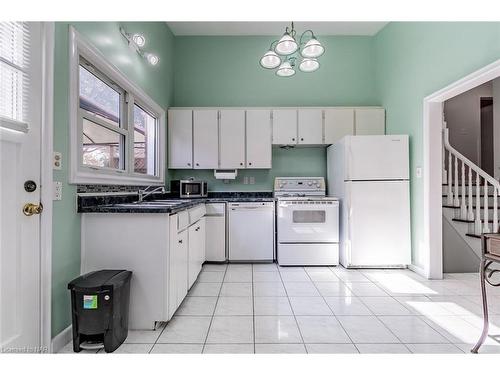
(189, 188)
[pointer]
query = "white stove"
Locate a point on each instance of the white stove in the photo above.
(308, 222)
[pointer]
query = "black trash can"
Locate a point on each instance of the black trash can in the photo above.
(100, 304)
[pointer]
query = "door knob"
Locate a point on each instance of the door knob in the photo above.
(30, 209)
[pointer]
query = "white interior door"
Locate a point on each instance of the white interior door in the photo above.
(20, 155)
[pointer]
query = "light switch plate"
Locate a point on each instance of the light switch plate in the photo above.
(245, 180)
(57, 191)
(57, 161)
(251, 180)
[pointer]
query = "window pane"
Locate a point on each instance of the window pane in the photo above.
(98, 97)
(12, 83)
(101, 147)
(14, 43)
(309, 216)
(144, 142)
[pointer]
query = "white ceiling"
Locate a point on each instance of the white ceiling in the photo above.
(274, 28)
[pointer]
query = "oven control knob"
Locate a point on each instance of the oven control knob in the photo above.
(317, 185)
(309, 183)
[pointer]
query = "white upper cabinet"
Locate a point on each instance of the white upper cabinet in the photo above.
(232, 138)
(310, 126)
(180, 139)
(339, 122)
(205, 139)
(284, 126)
(259, 134)
(370, 121)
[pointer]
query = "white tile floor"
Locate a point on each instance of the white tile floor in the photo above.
(263, 308)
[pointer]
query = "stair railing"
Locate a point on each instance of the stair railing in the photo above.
(456, 194)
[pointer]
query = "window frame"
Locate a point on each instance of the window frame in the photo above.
(80, 173)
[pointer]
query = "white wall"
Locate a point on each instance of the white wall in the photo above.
(496, 125)
(463, 117)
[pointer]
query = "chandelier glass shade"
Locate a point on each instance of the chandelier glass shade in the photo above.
(285, 53)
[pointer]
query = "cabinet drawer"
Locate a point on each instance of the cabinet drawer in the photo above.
(215, 209)
(196, 213)
(182, 220)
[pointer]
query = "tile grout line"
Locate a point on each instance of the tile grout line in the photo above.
(333, 313)
(293, 312)
(156, 341)
(215, 308)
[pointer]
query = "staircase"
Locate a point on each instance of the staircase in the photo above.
(470, 197)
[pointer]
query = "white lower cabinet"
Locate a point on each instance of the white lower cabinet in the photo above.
(215, 233)
(196, 250)
(177, 264)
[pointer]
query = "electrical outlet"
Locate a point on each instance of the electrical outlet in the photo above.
(418, 172)
(57, 161)
(57, 191)
(251, 180)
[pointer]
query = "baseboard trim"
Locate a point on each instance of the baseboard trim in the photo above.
(61, 340)
(418, 270)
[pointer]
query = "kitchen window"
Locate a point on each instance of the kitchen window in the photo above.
(116, 129)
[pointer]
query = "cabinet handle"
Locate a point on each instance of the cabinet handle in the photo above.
(180, 241)
(197, 164)
(250, 163)
(301, 139)
(293, 139)
(197, 229)
(189, 164)
(241, 163)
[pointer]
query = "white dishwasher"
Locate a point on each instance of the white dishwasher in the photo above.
(251, 231)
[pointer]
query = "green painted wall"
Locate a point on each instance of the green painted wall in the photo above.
(414, 60)
(310, 161)
(225, 71)
(156, 81)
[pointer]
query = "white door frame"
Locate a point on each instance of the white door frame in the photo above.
(46, 178)
(433, 143)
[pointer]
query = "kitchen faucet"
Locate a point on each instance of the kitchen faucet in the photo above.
(146, 192)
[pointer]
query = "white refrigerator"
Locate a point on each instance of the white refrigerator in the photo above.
(370, 177)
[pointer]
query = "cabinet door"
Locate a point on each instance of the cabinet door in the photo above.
(182, 265)
(201, 243)
(339, 122)
(259, 134)
(310, 127)
(192, 254)
(284, 126)
(370, 121)
(180, 139)
(173, 269)
(205, 139)
(232, 138)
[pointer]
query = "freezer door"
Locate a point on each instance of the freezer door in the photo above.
(377, 157)
(378, 230)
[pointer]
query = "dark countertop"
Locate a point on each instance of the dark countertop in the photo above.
(128, 203)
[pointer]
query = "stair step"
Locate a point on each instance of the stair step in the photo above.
(470, 221)
(473, 195)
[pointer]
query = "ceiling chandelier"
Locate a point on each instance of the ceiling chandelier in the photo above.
(286, 54)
